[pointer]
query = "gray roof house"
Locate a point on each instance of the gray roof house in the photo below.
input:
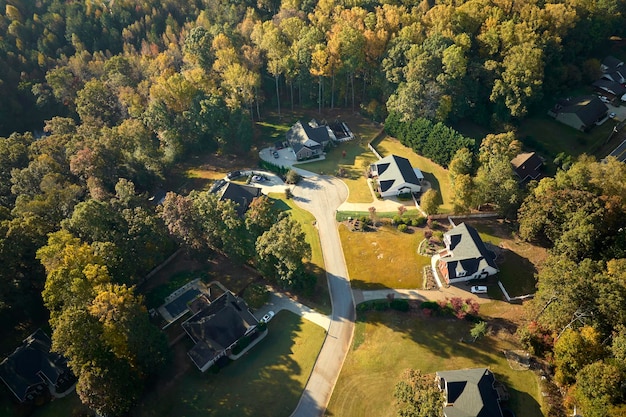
(610, 63)
(580, 112)
(465, 257)
(242, 195)
(32, 367)
(527, 166)
(395, 175)
(470, 393)
(217, 327)
(308, 140)
(611, 87)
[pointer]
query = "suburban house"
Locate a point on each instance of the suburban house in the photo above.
(527, 166)
(611, 63)
(242, 195)
(216, 327)
(580, 112)
(395, 175)
(611, 89)
(33, 368)
(471, 393)
(465, 257)
(613, 69)
(309, 140)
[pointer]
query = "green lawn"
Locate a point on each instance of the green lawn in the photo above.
(320, 298)
(433, 173)
(345, 215)
(387, 343)
(267, 381)
(386, 258)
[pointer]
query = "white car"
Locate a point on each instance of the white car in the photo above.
(266, 318)
(612, 115)
(478, 289)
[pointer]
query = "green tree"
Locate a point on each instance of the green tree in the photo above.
(597, 388)
(260, 215)
(575, 349)
(430, 201)
(97, 104)
(418, 396)
(479, 330)
(281, 251)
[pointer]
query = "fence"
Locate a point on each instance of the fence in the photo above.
(509, 299)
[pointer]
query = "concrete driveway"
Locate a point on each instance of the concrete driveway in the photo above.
(321, 195)
(279, 301)
(286, 158)
(620, 112)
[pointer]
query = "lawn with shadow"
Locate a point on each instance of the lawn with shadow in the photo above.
(387, 343)
(267, 381)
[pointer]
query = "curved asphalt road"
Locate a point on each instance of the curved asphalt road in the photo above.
(321, 195)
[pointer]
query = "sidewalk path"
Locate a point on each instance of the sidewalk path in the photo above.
(361, 296)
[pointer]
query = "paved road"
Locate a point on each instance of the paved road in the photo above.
(321, 195)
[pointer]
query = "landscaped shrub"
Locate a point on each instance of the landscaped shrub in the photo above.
(400, 305)
(438, 234)
(403, 228)
(428, 234)
(288, 193)
(397, 220)
(418, 221)
(405, 196)
(273, 167)
(292, 177)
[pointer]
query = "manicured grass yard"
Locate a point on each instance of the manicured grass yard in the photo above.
(386, 258)
(267, 381)
(433, 173)
(387, 343)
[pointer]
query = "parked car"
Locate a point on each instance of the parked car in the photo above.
(258, 178)
(266, 318)
(234, 174)
(275, 154)
(478, 289)
(612, 115)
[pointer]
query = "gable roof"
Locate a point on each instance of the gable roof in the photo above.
(527, 165)
(468, 250)
(610, 62)
(302, 135)
(470, 393)
(394, 170)
(32, 364)
(240, 194)
(609, 86)
(588, 108)
(217, 326)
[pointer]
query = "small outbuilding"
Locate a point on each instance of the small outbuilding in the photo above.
(527, 166)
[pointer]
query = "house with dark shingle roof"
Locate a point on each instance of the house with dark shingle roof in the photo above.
(610, 63)
(217, 327)
(309, 140)
(470, 393)
(527, 166)
(242, 195)
(581, 113)
(32, 368)
(465, 257)
(395, 175)
(612, 88)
